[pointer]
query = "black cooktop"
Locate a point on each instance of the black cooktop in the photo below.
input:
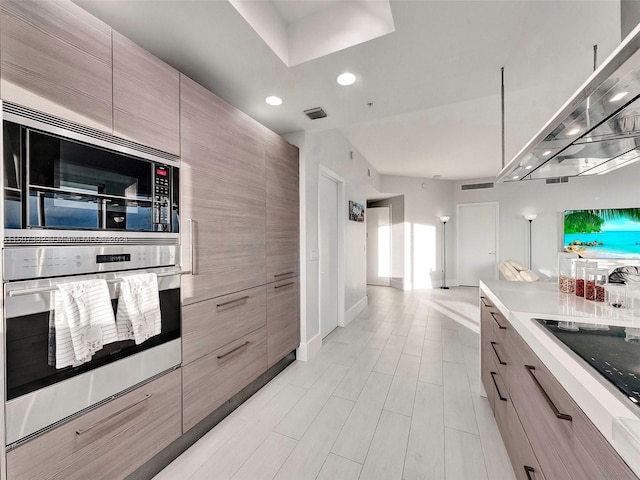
(616, 359)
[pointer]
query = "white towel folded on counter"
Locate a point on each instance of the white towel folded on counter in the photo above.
(138, 316)
(83, 321)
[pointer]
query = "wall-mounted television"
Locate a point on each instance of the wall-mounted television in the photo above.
(605, 233)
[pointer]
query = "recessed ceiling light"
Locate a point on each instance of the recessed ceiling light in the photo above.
(547, 153)
(528, 167)
(573, 131)
(515, 177)
(346, 78)
(619, 96)
(273, 100)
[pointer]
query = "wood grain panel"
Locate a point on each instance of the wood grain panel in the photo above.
(518, 447)
(223, 191)
(213, 379)
(56, 58)
(283, 215)
(209, 325)
(146, 97)
(107, 443)
(574, 445)
(283, 321)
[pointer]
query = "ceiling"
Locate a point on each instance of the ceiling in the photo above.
(434, 82)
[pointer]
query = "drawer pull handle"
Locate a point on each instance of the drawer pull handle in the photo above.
(493, 345)
(528, 471)
(112, 416)
(502, 327)
(556, 412)
(285, 285)
(238, 301)
(484, 302)
(244, 345)
(493, 377)
(283, 274)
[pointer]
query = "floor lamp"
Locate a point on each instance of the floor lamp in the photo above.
(531, 218)
(444, 221)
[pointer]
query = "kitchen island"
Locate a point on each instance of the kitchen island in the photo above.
(512, 340)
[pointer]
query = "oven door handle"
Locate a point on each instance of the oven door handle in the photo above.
(54, 288)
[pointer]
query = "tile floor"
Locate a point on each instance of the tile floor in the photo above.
(394, 395)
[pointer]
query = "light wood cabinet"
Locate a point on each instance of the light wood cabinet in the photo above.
(282, 208)
(106, 443)
(213, 379)
(545, 431)
(57, 58)
(146, 97)
(223, 196)
(283, 324)
(209, 325)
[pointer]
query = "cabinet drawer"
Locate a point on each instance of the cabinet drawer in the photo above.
(523, 459)
(107, 443)
(212, 324)
(486, 367)
(213, 379)
(282, 319)
(564, 439)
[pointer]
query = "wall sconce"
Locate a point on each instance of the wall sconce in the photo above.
(444, 220)
(530, 217)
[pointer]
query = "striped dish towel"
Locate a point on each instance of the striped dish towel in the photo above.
(83, 321)
(138, 316)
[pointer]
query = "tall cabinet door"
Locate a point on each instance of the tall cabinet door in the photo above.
(146, 97)
(56, 58)
(283, 211)
(223, 196)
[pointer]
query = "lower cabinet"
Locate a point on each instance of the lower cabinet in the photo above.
(106, 443)
(546, 433)
(283, 324)
(213, 379)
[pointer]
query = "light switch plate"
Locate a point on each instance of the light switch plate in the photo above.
(313, 255)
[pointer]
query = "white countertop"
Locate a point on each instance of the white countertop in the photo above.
(604, 404)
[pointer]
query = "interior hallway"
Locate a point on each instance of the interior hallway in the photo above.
(394, 395)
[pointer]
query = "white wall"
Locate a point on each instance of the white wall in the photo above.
(425, 200)
(618, 189)
(331, 150)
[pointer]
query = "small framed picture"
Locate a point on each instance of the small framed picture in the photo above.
(356, 211)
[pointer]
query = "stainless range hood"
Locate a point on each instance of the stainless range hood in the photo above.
(596, 131)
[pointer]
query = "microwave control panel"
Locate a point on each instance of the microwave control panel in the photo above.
(162, 202)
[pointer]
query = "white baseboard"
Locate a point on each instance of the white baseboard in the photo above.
(308, 350)
(356, 310)
(397, 283)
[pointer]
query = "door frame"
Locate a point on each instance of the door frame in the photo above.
(390, 244)
(341, 217)
(496, 206)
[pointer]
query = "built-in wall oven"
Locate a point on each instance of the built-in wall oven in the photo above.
(80, 204)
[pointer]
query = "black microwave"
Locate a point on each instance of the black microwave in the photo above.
(56, 182)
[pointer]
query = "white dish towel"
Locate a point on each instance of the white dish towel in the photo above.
(138, 316)
(83, 321)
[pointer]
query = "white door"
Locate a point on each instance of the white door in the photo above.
(328, 212)
(477, 242)
(379, 246)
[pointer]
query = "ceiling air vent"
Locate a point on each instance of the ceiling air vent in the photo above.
(558, 180)
(315, 113)
(475, 186)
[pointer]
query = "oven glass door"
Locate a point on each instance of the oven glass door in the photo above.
(27, 350)
(76, 186)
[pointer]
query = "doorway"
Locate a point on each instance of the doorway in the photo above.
(477, 226)
(379, 246)
(330, 241)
